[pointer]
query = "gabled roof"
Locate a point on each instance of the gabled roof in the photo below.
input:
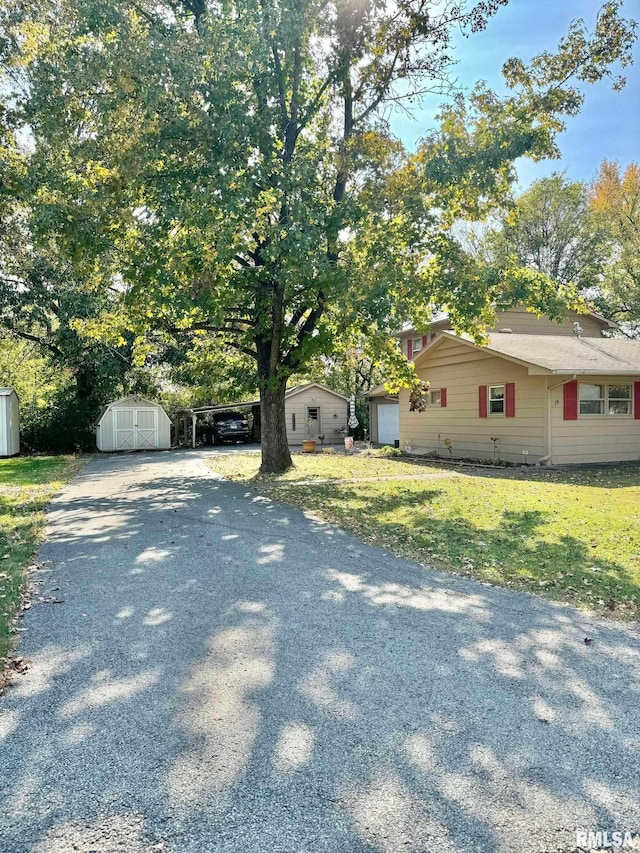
(298, 389)
(135, 398)
(7, 392)
(562, 354)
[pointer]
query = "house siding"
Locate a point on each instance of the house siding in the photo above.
(333, 415)
(522, 322)
(461, 370)
(592, 438)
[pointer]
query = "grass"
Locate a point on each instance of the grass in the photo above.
(26, 487)
(573, 536)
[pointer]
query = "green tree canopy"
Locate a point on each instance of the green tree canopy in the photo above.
(551, 229)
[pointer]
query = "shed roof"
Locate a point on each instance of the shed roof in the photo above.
(298, 389)
(6, 392)
(562, 354)
(133, 398)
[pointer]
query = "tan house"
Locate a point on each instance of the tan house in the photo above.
(538, 392)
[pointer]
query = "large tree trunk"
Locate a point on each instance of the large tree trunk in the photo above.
(85, 381)
(275, 450)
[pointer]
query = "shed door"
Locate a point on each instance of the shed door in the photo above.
(146, 429)
(124, 421)
(136, 429)
(388, 423)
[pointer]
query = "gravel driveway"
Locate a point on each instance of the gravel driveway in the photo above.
(226, 674)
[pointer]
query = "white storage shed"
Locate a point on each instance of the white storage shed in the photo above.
(9, 423)
(133, 423)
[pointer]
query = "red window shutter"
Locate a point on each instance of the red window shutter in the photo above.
(424, 340)
(482, 401)
(443, 397)
(636, 400)
(409, 348)
(510, 400)
(571, 400)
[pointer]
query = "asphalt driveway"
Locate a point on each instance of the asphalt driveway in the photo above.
(226, 674)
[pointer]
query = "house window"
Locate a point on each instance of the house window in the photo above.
(619, 400)
(416, 345)
(435, 398)
(601, 399)
(496, 399)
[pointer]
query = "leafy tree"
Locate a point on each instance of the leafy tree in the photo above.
(211, 371)
(35, 379)
(551, 229)
(45, 308)
(233, 163)
(615, 203)
(44, 305)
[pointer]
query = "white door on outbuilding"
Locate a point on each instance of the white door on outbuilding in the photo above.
(136, 429)
(388, 423)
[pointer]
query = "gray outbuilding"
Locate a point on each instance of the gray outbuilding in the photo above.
(9, 422)
(133, 423)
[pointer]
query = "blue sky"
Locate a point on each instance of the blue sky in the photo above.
(609, 123)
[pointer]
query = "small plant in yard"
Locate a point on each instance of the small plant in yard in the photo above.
(387, 450)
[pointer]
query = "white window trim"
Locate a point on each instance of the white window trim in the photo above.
(606, 399)
(415, 348)
(432, 402)
(503, 413)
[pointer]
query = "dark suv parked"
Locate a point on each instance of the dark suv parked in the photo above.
(230, 426)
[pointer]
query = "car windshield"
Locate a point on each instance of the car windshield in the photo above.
(232, 418)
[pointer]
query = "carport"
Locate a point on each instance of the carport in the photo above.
(186, 418)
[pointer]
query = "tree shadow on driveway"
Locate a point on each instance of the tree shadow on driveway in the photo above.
(226, 674)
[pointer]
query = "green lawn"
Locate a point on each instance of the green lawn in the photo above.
(26, 487)
(569, 535)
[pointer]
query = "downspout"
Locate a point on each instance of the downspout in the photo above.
(544, 460)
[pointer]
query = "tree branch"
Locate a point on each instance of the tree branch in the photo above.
(41, 343)
(290, 360)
